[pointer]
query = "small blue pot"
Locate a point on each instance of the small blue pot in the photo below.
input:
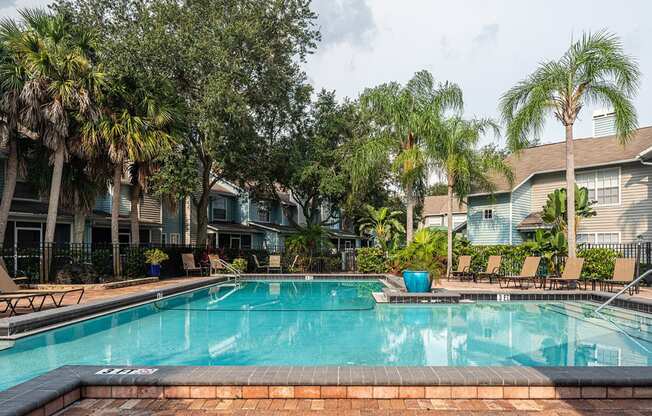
(416, 281)
(154, 270)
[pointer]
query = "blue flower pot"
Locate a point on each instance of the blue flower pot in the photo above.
(154, 270)
(416, 281)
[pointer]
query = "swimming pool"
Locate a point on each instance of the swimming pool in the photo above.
(333, 323)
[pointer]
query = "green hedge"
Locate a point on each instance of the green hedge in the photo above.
(598, 262)
(371, 260)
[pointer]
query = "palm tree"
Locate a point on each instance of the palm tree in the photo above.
(382, 224)
(12, 80)
(594, 70)
(456, 154)
(402, 118)
(62, 83)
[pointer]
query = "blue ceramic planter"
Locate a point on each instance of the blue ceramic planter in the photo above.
(417, 282)
(154, 270)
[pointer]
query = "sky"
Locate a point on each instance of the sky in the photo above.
(485, 46)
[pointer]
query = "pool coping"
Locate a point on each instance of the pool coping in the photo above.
(59, 388)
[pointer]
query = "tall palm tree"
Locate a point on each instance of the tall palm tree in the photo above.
(456, 154)
(594, 70)
(382, 224)
(62, 83)
(12, 80)
(402, 118)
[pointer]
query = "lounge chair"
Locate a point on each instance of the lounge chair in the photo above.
(463, 269)
(258, 265)
(274, 264)
(215, 264)
(11, 294)
(189, 265)
(624, 273)
(493, 269)
(570, 276)
(528, 273)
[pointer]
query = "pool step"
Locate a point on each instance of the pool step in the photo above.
(630, 318)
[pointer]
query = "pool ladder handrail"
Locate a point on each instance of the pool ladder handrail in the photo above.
(624, 289)
(236, 273)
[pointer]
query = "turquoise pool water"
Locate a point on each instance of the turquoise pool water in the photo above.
(333, 323)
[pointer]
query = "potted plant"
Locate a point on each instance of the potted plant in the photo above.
(154, 258)
(422, 260)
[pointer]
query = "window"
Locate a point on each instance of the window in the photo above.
(263, 211)
(603, 185)
(434, 221)
(245, 241)
(174, 238)
(598, 238)
(235, 241)
(219, 209)
(164, 238)
(488, 214)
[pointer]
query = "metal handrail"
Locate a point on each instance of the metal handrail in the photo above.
(231, 269)
(611, 299)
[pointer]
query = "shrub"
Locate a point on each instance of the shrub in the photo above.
(240, 264)
(155, 256)
(371, 260)
(598, 262)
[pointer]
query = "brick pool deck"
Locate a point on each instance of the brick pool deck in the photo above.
(355, 407)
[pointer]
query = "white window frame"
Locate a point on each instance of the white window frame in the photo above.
(174, 238)
(215, 208)
(594, 172)
(484, 214)
(596, 233)
(235, 237)
(266, 207)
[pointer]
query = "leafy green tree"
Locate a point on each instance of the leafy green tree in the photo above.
(402, 119)
(555, 211)
(595, 69)
(456, 153)
(382, 225)
(62, 83)
(235, 64)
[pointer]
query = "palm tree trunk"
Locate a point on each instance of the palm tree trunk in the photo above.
(115, 218)
(135, 214)
(570, 191)
(53, 207)
(449, 215)
(409, 226)
(78, 225)
(10, 184)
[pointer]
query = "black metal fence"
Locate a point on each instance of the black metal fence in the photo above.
(641, 251)
(69, 263)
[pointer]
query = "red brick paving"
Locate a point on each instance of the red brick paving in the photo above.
(356, 407)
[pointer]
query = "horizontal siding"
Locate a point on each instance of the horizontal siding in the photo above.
(125, 199)
(103, 203)
(172, 218)
(633, 217)
(150, 208)
(494, 231)
(521, 208)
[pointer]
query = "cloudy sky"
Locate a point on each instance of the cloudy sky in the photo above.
(483, 45)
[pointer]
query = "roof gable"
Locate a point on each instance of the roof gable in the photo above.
(438, 205)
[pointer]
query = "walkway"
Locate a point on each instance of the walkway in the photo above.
(197, 407)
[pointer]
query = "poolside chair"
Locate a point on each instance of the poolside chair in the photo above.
(570, 276)
(528, 273)
(274, 264)
(11, 294)
(189, 265)
(215, 264)
(624, 273)
(463, 269)
(257, 263)
(493, 269)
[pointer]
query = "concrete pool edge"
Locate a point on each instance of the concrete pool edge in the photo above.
(53, 391)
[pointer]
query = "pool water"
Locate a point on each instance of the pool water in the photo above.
(334, 323)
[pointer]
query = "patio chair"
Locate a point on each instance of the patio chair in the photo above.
(11, 294)
(274, 264)
(493, 269)
(624, 273)
(215, 264)
(257, 263)
(12, 302)
(189, 265)
(570, 276)
(528, 273)
(463, 269)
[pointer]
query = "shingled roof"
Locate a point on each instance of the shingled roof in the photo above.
(438, 205)
(589, 152)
